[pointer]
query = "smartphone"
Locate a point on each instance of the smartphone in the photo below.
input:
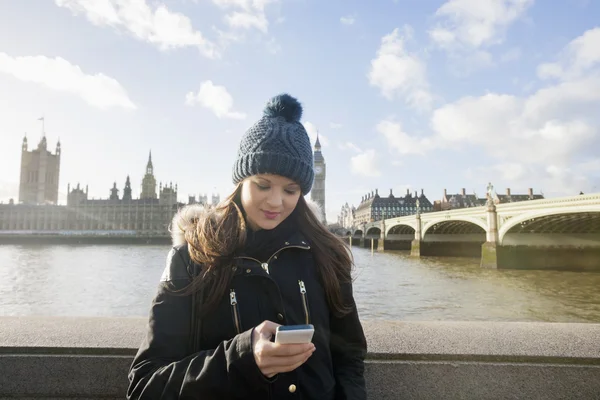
(288, 334)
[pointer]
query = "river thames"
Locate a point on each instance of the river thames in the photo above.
(120, 280)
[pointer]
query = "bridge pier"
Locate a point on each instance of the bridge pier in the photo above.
(489, 250)
(415, 248)
(381, 241)
(415, 245)
(489, 255)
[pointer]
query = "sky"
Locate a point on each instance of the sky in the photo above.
(405, 94)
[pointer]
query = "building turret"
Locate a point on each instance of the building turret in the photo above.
(114, 192)
(127, 190)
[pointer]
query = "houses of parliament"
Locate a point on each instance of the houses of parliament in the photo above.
(38, 212)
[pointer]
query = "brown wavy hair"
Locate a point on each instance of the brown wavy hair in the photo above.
(214, 241)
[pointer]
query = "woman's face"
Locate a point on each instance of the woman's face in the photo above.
(268, 200)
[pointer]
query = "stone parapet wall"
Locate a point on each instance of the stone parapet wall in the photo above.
(88, 358)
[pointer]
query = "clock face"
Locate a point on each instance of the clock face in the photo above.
(318, 170)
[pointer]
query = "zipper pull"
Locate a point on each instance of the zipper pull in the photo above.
(232, 298)
(302, 287)
(265, 266)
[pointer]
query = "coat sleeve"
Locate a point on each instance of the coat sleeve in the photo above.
(348, 351)
(163, 369)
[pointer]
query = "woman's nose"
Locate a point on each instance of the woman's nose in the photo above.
(274, 199)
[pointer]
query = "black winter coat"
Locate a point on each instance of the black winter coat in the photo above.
(285, 289)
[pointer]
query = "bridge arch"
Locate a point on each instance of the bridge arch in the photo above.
(373, 231)
(454, 225)
(400, 229)
(561, 220)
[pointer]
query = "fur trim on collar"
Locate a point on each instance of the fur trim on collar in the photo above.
(186, 219)
(188, 216)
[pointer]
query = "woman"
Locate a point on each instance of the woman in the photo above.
(259, 260)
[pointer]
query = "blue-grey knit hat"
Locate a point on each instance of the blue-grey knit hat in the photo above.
(277, 144)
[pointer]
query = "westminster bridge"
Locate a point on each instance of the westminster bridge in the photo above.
(560, 233)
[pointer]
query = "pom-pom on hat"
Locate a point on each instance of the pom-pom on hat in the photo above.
(277, 144)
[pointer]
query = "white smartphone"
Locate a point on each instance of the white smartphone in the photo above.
(288, 334)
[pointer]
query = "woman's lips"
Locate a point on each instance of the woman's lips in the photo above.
(271, 215)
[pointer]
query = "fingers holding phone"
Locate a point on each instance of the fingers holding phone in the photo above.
(273, 358)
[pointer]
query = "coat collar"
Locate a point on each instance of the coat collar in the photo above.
(296, 239)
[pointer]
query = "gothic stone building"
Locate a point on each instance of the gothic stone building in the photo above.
(148, 216)
(375, 208)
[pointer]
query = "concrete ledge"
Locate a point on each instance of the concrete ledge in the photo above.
(59, 358)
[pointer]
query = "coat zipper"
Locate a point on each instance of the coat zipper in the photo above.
(265, 265)
(235, 311)
(304, 301)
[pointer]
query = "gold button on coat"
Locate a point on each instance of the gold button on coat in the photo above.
(292, 388)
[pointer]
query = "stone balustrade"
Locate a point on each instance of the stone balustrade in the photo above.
(88, 358)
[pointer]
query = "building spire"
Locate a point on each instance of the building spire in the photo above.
(317, 143)
(149, 167)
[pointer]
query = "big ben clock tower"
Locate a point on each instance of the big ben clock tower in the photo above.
(318, 190)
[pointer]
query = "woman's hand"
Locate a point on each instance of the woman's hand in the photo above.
(274, 358)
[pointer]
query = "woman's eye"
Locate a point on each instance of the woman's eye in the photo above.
(290, 191)
(260, 187)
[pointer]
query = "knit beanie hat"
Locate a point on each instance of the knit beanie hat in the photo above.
(277, 144)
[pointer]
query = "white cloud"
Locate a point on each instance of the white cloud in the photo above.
(522, 137)
(465, 28)
(247, 20)
(400, 141)
(473, 24)
(246, 14)
(365, 164)
(506, 128)
(334, 125)
(312, 131)
(348, 20)
(59, 74)
(398, 73)
(153, 24)
(580, 55)
(216, 98)
(545, 136)
(549, 71)
(349, 146)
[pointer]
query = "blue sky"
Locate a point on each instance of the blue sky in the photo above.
(405, 93)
